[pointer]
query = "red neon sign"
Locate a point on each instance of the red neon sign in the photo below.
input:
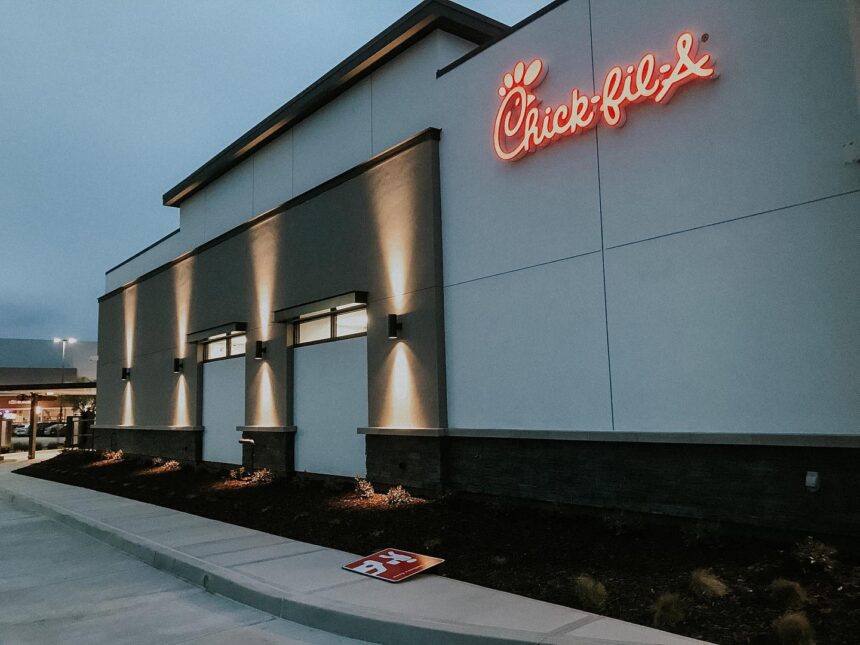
(523, 126)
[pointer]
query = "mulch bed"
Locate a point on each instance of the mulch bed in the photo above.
(528, 550)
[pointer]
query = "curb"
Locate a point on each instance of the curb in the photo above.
(304, 608)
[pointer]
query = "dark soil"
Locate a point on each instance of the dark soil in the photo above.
(528, 550)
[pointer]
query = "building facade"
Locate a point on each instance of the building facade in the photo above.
(447, 265)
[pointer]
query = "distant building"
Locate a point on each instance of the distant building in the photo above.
(37, 363)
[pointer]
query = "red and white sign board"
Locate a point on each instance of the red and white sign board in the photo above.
(392, 565)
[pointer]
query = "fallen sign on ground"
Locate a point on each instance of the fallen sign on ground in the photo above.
(392, 565)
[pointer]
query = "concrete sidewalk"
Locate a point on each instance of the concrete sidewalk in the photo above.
(304, 583)
(59, 586)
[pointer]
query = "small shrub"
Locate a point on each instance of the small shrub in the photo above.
(262, 476)
(787, 593)
(668, 611)
(794, 629)
(259, 476)
(171, 465)
(157, 461)
(113, 455)
(397, 495)
(704, 583)
(590, 593)
(363, 488)
(815, 554)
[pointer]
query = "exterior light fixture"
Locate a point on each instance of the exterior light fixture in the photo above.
(178, 364)
(394, 326)
(259, 350)
(126, 373)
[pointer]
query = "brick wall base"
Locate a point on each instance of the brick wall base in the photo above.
(182, 445)
(762, 485)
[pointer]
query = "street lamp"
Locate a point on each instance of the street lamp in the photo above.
(64, 341)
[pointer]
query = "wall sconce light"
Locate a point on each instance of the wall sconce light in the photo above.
(394, 326)
(259, 350)
(126, 373)
(178, 364)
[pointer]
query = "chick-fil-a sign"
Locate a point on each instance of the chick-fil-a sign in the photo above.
(523, 126)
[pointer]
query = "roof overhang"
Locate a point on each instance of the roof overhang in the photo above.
(49, 389)
(422, 20)
(344, 300)
(221, 330)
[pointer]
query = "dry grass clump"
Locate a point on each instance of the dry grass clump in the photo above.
(704, 583)
(590, 593)
(787, 593)
(113, 455)
(397, 495)
(793, 628)
(668, 611)
(363, 488)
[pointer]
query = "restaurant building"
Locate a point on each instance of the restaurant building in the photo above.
(447, 265)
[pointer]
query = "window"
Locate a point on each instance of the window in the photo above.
(330, 325)
(224, 346)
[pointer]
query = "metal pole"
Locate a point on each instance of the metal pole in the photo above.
(62, 382)
(34, 399)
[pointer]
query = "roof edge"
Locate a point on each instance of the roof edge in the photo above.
(405, 32)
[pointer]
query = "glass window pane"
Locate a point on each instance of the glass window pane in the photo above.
(312, 330)
(218, 349)
(237, 344)
(352, 322)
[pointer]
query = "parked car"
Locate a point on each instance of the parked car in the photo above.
(51, 430)
(21, 431)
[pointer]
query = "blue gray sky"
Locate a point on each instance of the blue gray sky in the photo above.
(106, 104)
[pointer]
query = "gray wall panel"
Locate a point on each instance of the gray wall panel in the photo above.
(749, 326)
(528, 349)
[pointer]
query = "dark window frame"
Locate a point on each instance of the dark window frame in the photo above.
(229, 354)
(332, 315)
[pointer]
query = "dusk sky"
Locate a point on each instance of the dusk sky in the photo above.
(107, 104)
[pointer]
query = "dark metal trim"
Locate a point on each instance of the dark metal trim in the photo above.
(415, 25)
(35, 387)
(226, 328)
(141, 252)
(328, 340)
(289, 314)
(486, 45)
(429, 134)
(267, 429)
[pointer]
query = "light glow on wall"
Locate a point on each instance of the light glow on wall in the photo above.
(129, 313)
(399, 409)
(522, 126)
(181, 410)
(183, 274)
(129, 317)
(393, 200)
(263, 251)
(265, 412)
(127, 418)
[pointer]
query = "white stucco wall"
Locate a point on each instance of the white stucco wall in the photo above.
(729, 222)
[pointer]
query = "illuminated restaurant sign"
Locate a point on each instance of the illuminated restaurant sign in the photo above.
(522, 125)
